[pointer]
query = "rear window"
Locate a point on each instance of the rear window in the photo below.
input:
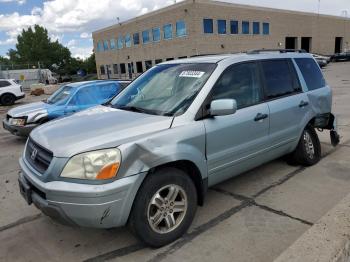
(280, 80)
(311, 73)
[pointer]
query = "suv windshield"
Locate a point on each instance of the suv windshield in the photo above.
(166, 90)
(61, 96)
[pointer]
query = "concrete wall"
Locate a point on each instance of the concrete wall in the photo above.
(322, 29)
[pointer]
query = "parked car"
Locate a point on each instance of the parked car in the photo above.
(321, 60)
(10, 91)
(341, 57)
(147, 158)
(66, 100)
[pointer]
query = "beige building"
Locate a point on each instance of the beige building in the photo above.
(197, 27)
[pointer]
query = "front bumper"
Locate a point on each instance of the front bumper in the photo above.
(18, 130)
(97, 206)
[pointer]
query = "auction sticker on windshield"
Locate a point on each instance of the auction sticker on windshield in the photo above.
(194, 74)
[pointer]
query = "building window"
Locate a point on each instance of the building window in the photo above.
(122, 69)
(148, 64)
(158, 61)
(145, 36)
(168, 31)
(99, 46)
(266, 28)
(102, 70)
(245, 27)
(115, 69)
(181, 28)
(139, 68)
(234, 27)
(112, 43)
(208, 26)
(256, 28)
(222, 27)
(156, 34)
(105, 45)
(120, 42)
(136, 37)
(128, 40)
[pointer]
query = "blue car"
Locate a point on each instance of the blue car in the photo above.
(65, 101)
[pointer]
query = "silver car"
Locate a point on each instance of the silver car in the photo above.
(147, 159)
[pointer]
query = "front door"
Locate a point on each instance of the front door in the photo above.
(235, 140)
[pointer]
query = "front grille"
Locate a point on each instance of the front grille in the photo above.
(37, 156)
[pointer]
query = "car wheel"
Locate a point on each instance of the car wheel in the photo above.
(308, 151)
(164, 207)
(7, 100)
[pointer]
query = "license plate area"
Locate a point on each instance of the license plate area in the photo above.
(25, 191)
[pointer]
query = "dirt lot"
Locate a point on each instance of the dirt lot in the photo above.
(253, 217)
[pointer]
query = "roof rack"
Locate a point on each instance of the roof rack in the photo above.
(282, 51)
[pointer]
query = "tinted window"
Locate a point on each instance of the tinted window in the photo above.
(120, 42)
(136, 37)
(145, 36)
(156, 34)
(280, 80)
(266, 28)
(128, 40)
(112, 42)
(208, 26)
(115, 69)
(222, 26)
(181, 28)
(311, 73)
(102, 70)
(256, 28)
(100, 46)
(105, 45)
(168, 31)
(245, 27)
(234, 27)
(239, 82)
(4, 83)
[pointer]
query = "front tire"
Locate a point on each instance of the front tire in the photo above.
(164, 207)
(7, 100)
(308, 151)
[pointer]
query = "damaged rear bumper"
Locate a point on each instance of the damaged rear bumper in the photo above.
(97, 206)
(329, 122)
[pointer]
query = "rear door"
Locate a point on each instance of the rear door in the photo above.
(235, 139)
(287, 103)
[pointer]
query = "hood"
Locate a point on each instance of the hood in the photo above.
(96, 128)
(29, 109)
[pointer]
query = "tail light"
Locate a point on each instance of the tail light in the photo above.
(21, 88)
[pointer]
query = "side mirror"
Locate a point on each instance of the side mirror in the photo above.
(223, 107)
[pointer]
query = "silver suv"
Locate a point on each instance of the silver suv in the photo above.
(148, 157)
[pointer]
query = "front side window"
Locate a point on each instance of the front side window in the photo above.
(120, 42)
(245, 27)
(168, 31)
(280, 80)
(221, 27)
(181, 28)
(234, 27)
(145, 36)
(136, 37)
(240, 82)
(156, 34)
(128, 40)
(208, 26)
(167, 89)
(311, 73)
(4, 83)
(266, 28)
(112, 42)
(105, 45)
(256, 28)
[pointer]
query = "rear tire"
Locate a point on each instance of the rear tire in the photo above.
(308, 151)
(164, 207)
(7, 100)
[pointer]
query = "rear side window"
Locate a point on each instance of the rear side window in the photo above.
(4, 83)
(280, 79)
(311, 73)
(240, 82)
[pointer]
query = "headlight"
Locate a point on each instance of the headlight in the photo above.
(96, 165)
(18, 121)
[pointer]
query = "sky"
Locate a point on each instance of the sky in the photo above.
(72, 21)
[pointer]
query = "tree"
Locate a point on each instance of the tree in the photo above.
(34, 45)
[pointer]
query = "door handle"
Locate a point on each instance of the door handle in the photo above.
(260, 117)
(303, 104)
